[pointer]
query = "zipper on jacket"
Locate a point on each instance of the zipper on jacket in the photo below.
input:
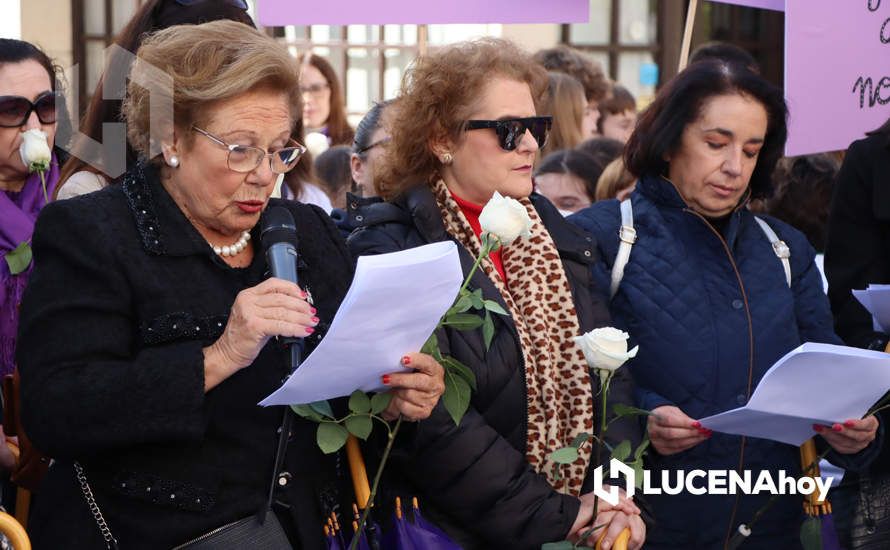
(750, 357)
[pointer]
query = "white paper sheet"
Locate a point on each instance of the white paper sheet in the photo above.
(876, 299)
(813, 384)
(393, 305)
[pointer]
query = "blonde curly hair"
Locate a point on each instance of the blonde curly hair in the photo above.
(207, 63)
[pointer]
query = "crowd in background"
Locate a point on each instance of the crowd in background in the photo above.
(122, 281)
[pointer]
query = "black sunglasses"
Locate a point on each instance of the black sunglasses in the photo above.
(510, 131)
(237, 3)
(15, 110)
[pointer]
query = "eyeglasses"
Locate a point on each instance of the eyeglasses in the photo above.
(242, 4)
(314, 89)
(510, 131)
(15, 110)
(383, 141)
(245, 158)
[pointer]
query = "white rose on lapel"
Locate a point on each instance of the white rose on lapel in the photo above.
(34, 150)
(317, 143)
(505, 218)
(605, 349)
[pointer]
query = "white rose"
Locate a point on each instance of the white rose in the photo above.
(34, 150)
(605, 349)
(505, 218)
(317, 143)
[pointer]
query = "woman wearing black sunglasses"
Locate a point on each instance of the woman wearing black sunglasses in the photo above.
(27, 102)
(465, 127)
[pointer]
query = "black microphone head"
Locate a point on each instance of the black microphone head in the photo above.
(278, 226)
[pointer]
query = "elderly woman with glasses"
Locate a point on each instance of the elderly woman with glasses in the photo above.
(489, 481)
(149, 329)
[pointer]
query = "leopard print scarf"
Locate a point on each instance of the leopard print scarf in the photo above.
(560, 397)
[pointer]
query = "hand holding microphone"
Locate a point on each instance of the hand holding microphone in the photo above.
(275, 307)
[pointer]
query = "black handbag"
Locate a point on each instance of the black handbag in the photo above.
(245, 533)
(249, 532)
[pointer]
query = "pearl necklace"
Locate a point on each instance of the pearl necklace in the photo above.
(233, 249)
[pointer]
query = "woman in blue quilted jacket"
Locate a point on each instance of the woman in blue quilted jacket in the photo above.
(711, 303)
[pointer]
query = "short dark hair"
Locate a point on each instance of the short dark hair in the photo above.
(366, 128)
(679, 103)
(334, 173)
(804, 186)
(723, 51)
(576, 163)
(620, 101)
(603, 149)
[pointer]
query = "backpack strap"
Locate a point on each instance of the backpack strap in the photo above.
(779, 247)
(628, 236)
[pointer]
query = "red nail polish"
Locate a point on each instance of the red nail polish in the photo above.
(309, 330)
(849, 423)
(385, 379)
(406, 360)
(315, 320)
(303, 294)
(837, 427)
(313, 311)
(696, 424)
(817, 427)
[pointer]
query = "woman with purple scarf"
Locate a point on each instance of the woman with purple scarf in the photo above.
(29, 173)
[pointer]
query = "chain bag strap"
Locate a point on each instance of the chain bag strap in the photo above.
(110, 541)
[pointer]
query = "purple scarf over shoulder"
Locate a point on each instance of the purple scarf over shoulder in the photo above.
(18, 212)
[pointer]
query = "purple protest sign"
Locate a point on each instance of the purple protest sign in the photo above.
(837, 72)
(777, 5)
(383, 12)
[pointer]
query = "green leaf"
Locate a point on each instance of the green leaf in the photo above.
(495, 307)
(379, 402)
(638, 454)
(460, 369)
(621, 451)
(476, 298)
(579, 440)
(487, 330)
(463, 321)
(566, 455)
(456, 396)
(19, 258)
(305, 411)
(462, 304)
(621, 410)
(561, 545)
(359, 402)
(431, 347)
(359, 426)
(811, 534)
(323, 408)
(331, 437)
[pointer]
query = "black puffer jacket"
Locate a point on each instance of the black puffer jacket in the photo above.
(475, 475)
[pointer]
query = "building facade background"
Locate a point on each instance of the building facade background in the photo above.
(636, 41)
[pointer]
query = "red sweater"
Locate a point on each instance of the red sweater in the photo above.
(472, 212)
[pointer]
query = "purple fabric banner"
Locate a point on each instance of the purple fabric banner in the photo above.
(837, 72)
(406, 12)
(777, 5)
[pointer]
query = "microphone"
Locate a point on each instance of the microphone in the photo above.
(279, 241)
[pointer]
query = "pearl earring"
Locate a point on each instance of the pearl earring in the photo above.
(447, 158)
(173, 162)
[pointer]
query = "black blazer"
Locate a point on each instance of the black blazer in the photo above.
(124, 296)
(476, 475)
(858, 248)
